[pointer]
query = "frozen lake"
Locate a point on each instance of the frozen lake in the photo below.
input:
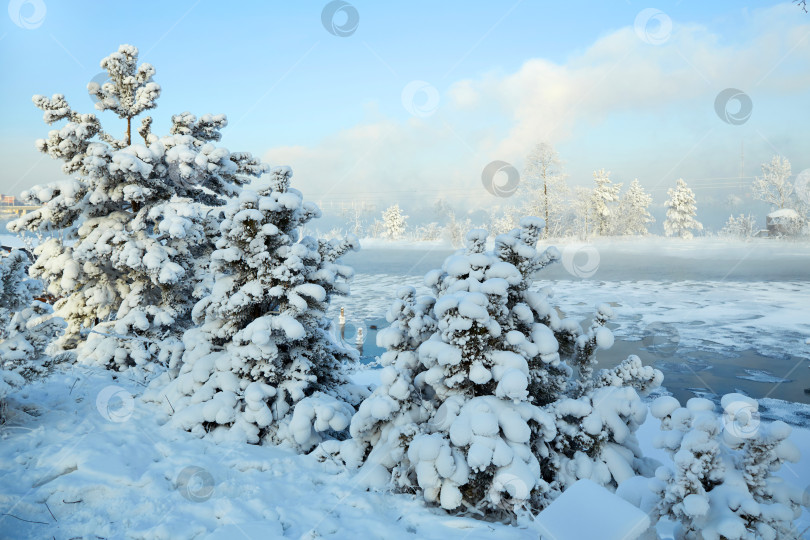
(651, 258)
(714, 317)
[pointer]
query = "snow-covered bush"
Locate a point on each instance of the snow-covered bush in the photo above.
(262, 365)
(681, 212)
(134, 218)
(740, 227)
(488, 400)
(720, 484)
(27, 326)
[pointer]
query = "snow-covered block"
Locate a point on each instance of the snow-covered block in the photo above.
(609, 516)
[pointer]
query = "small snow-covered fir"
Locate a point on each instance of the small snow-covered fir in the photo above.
(681, 212)
(394, 222)
(27, 326)
(488, 402)
(263, 363)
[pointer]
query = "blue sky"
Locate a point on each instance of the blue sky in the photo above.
(506, 75)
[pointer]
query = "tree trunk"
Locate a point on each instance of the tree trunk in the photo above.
(129, 131)
(545, 199)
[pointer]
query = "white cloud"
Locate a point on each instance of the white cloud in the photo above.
(665, 91)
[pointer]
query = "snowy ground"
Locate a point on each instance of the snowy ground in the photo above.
(78, 466)
(88, 461)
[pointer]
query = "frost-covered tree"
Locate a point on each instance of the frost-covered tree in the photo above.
(741, 226)
(134, 218)
(605, 193)
(633, 216)
(455, 229)
(543, 188)
(394, 222)
(774, 186)
(681, 212)
(502, 219)
(429, 232)
(356, 217)
(720, 484)
(488, 401)
(27, 326)
(582, 222)
(263, 364)
(732, 202)
(376, 229)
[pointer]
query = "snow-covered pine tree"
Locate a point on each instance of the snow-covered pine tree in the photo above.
(133, 218)
(721, 482)
(604, 194)
(681, 212)
(489, 402)
(394, 222)
(27, 326)
(392, 418)
(263, 364)
(633, 217)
